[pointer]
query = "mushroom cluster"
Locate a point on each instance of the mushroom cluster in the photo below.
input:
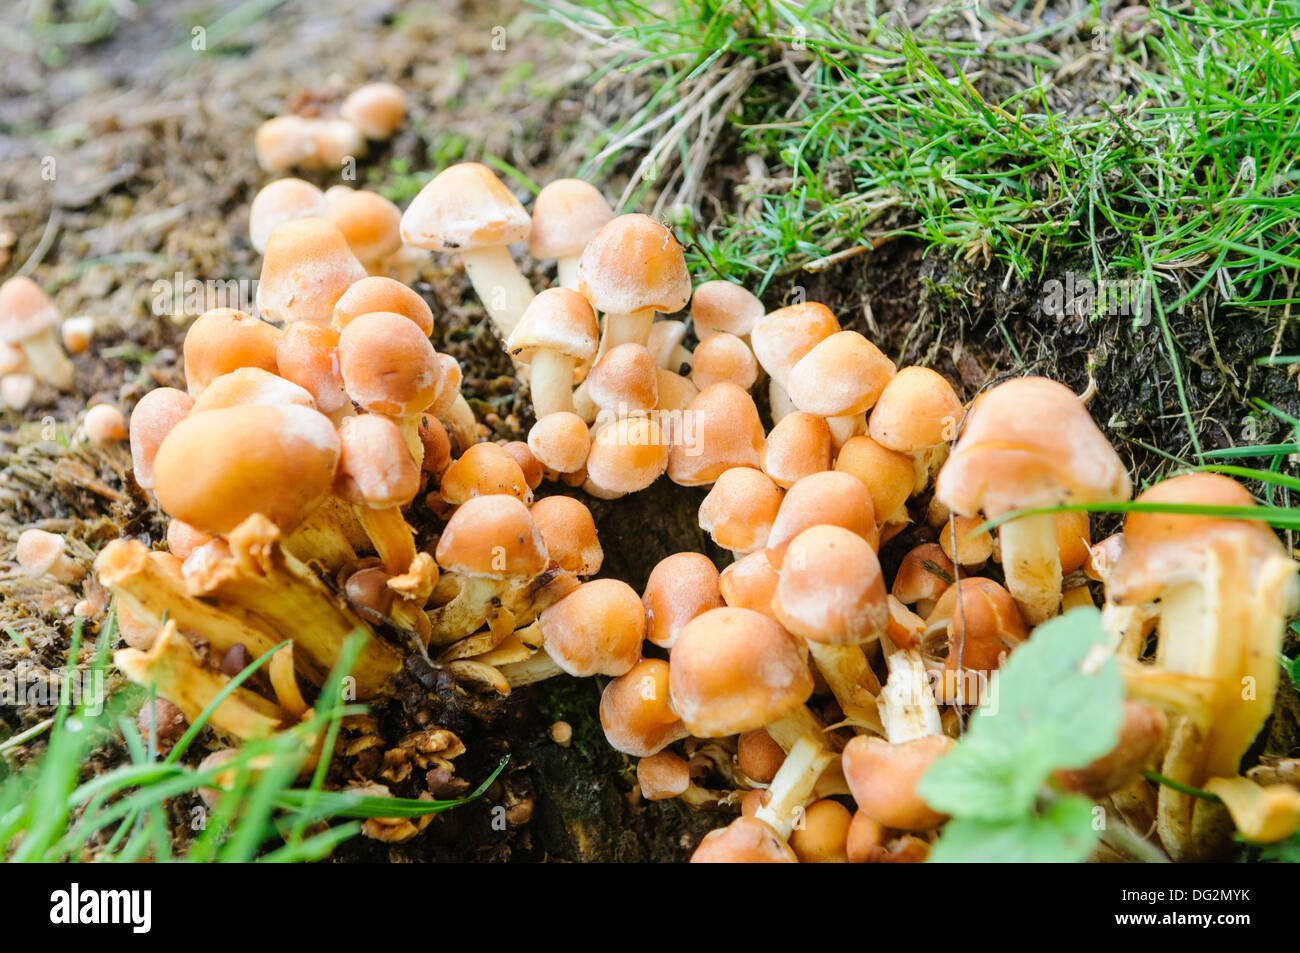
(308, 139)
(803, 684)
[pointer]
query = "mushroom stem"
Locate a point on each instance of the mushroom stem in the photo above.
(907, 706)
(261, 581)
(845, 428)
(1031, 561)
(552, 382)
(536, 668)
(46, 360)
(851, 681)
(392, 538)
(460, 423)
(780, 402)
(566, 267)
(499, 284)
(793, 786)
(630, 328)
(324, 537)
(151, 595)
(176, 669)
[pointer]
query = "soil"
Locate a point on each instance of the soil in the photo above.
(151, 143)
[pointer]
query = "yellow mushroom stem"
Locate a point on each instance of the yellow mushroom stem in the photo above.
(179, 674)
(1031, 561)
(794, 785)
(391, 537)
(907, 706)
(262, 582)
(328, 537)
(851, 681)
(151, 594)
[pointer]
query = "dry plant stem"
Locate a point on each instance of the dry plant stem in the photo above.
(1031, 560)
(152, 594)
(794, 785)
(552, 382)
(390, 535)
(499, 285)
(177, 670)
(907, 705)
(851, 681)
(263, 582)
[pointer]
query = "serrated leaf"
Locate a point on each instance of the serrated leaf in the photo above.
(1061, 834)
(1051, 706)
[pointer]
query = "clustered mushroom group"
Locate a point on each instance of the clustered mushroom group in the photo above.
(793, 683)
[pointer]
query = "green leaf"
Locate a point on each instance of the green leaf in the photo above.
(1051, 706)
(1063, 833)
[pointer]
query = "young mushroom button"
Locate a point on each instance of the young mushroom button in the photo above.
(680, 587)
(467, 209)
(840, 378)
(566, 217)
(1029, 443)
(377, 475)
(624, 382)
(557, 333)
(635, 713)
(740, 509)
(305, 270)
(570, 534)
(798, 446)
(632, 268)
(720, 429)
(719, 307)
(376, 109)
(369, 223)
(831, 498)
(917, 414)
(29, 319)
(223, 340)
(152, 420)
(378, 293)
(595, 630)
(281, 201)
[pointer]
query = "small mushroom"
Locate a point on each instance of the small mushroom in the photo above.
(30, 320)
(566, 217)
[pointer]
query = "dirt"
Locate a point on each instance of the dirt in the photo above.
(151, 143)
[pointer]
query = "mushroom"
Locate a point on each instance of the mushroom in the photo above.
(798, 446)
(723, 357)
(153, 418)
(379, 293)
(284, 142)
(823, 835)
(377, 475)
(883, 778)
(482, 470)
(278, 202)
(251, 386)
(376, 109)
(216, 468)
(1141, 736)
(663, 776)
(595, 630)
(831, 593)
(183, 539)
(40, 553)
(630, 269)
(529, 465)
(76, 334)
(1029, 443)
(104, 424)
(566, 217)
(780, 338)
(467, 209)
(369, 222)
(746, 840)
(626, 456)
(624, 383)
(840, 378)
(724, 307)
(889, 476)
(389, 367)
(635, 713)
(982, 625)
(307, 266)
(29, 319)
(493, 551)
(749, 583)
(917, 414)
(556, 333)
(740, 509)
(561, 442)
(1222, 591)
(721, 430)
(758, 756)
(223, 340)
(923, 577)
(830, 498)
(665, 344)
(570, 535)
(307, 354)
(680, 587)
(965, 543)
